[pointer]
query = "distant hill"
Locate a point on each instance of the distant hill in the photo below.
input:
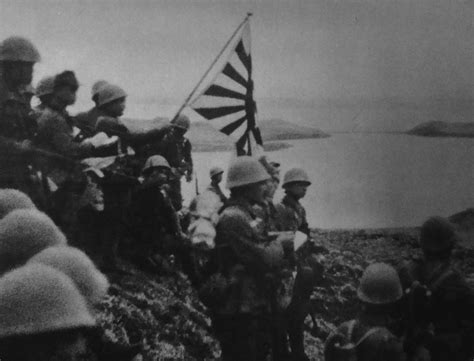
(444, 129)
(206, 138)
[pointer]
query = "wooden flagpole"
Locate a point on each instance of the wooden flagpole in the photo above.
(211, 66)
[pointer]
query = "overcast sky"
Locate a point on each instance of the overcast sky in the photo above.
(302, 49)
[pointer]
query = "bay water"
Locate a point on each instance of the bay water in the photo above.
(363, 180)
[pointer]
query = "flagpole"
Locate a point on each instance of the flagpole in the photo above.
(211, 66)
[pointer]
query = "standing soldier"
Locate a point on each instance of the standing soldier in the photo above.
(176, 149)
(86, 121)
(368, 338)
(247, 260)
(57, 134)
(441, 304)
(292, 215)
(152, 218)
(216, 179)
(17, 58)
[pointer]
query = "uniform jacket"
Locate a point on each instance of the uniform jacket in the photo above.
(292, 215)
(15, 109)
(177, 151)
(86, 121)
(240, 247)
(56, 133)
(151, 211)
(450, 309)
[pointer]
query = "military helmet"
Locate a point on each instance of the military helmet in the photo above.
(245, 170)
(11, 199)
(24, 233)
(16, 48)
(296, 175)
(36, 299)
(66, 78)
(380, 284)
(156, 161)
(437, 234)
(96, 86)
(45, 86)
(215, 171)
(181, 121)
(107, 93)
(75, 264)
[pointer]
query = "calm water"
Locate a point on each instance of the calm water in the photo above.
(373, 180)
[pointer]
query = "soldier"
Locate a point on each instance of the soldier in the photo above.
(291, 214)
(24, 233)
(44, 91)
(368, 338)
(176, 149)
(440, 302)
(43, 316)
(216, 179)
(152, 218)
(86, 121)
(17, 58)
(248, 262)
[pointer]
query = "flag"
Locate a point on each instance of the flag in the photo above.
(228, 103)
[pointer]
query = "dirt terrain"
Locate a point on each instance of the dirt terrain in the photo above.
(166, 313)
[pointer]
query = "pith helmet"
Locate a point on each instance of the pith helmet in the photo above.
(24, 233)
(156, 161)
(245, 170)
(437, 235)
(296, 175)
(45, 86)
(181, 121)
(380, 284)
(79, 267)
(215, 171)
(11, 199)
(36, 299)
(96, 86)
(17, 48)
(107, 93)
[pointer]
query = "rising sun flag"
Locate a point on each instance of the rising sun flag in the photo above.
(227, 101)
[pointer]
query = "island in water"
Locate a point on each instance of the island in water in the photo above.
(205, 138)
(444, 129)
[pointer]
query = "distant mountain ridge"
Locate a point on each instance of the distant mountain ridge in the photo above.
(204, 137)
(444, 129)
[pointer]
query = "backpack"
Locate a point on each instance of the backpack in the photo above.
(342, 346)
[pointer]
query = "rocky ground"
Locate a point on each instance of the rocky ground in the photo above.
(165, 313)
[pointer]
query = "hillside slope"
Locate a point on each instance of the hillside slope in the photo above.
(444, 129)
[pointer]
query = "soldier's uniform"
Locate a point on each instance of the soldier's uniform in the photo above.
(17, 124)
(369, 336)
(214, 188)
(152, 218)
(247, 261)
(177, 151)
(292, 215)
(439, 300)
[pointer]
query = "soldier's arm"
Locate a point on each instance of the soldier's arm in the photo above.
(304, 225)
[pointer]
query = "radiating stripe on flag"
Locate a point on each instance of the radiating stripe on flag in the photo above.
(230, 71)
(220, 91)
(212, 113)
